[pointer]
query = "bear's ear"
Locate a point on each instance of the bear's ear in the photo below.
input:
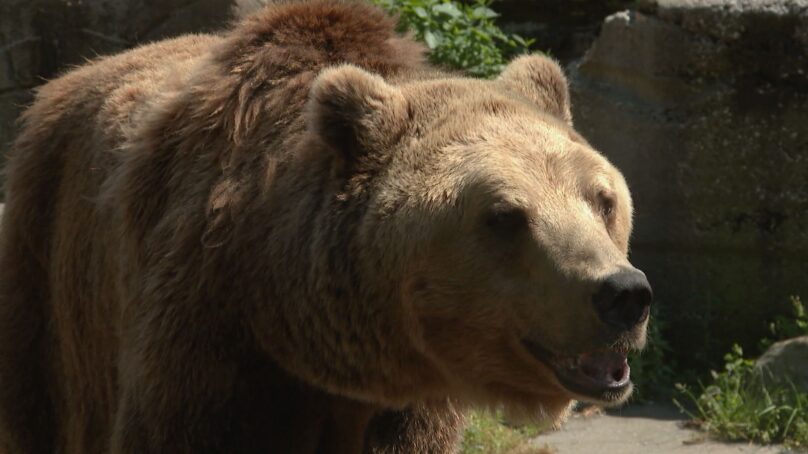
(355, 112)
(542, 81)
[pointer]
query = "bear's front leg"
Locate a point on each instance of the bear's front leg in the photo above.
(427, 428)
(189, 381)
(176, 399)
(192, 397)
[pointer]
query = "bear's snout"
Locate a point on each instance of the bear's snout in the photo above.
(624, 298)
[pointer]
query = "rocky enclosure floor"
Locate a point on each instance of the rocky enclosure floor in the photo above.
(640, 429)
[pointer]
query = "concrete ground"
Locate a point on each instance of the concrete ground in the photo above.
(640, 429)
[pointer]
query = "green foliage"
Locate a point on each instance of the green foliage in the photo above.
(652, 370)
(738, 405)
(487, 433)
(788, 327)
(459, 35)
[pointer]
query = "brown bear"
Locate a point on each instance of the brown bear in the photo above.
(298, 237)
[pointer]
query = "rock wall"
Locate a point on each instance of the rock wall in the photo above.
(39, 39)
(562, 28)
(704, 106)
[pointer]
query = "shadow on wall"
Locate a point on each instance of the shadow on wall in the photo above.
(563, 28)
(704, 106)
(41, 38)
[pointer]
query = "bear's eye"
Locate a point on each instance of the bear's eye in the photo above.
(506, 220)
(606, 203)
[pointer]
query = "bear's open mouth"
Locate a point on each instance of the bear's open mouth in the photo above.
(601, 376)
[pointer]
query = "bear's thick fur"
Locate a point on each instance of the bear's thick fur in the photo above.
(268, 241)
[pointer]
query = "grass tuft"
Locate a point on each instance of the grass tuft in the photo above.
(740, 406)
(488, 433)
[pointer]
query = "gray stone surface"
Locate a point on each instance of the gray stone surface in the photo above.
(702, 10)
(640, 429)
(704, 106)
(729, 20)
(786, 363)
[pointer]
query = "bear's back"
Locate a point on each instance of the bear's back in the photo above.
(68, 144)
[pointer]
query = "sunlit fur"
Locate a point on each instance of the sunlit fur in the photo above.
(476, 146)
(274, 240)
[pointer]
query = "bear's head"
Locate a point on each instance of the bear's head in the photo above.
(487, 234)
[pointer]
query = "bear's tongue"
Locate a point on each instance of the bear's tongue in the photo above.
(606, 368)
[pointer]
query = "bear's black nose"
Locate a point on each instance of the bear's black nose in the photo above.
(624, 299)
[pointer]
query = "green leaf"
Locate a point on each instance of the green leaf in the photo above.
(519, 41)
(483, 12)
(431, 40)
(460, 35)
(447, 8)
